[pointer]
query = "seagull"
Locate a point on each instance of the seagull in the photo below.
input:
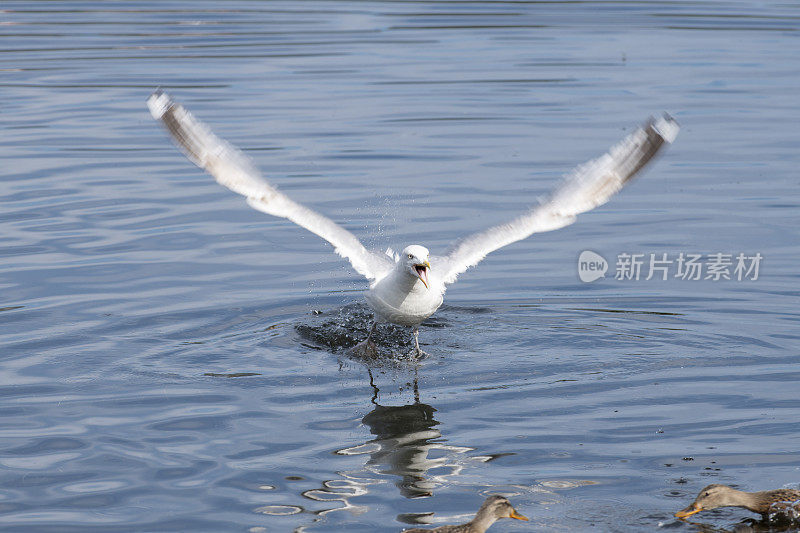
(406, 288)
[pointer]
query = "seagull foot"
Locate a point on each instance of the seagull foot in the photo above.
(365, 350)
(419, 355)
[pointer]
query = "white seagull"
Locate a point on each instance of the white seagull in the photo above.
(407, 288)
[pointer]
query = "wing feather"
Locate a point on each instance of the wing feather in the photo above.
(588, 186)
(233, 169)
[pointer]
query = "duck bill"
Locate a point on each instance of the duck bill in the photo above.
(515, 514)
(422, 272)
(689, 511)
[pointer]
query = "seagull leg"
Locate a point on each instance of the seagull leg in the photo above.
(367, 348)
(371, 332)
(419, 354)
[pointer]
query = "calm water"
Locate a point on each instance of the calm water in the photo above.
(166, 359)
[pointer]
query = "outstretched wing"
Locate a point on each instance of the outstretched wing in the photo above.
(588, 186)
(233, 169)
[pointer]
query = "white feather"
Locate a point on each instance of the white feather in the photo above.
(397, 292)
(231, 168)
(588, 186)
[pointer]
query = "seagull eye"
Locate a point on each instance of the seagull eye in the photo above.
(411, 256)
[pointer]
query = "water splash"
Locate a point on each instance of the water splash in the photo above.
(784, 513)
(339, 330)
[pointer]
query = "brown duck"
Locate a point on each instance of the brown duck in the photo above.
(764, 502)
(493, 509)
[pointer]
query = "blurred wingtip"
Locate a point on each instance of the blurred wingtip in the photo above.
(667, 127)
(159, 103)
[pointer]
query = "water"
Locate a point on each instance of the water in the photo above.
(157, 373)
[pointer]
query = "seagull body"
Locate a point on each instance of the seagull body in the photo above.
(407, 288)
(410, 292)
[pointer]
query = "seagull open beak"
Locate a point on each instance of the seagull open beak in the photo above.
(515, 514)
(422, 272)
(689, 511)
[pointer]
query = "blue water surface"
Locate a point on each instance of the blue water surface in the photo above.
(171, 360)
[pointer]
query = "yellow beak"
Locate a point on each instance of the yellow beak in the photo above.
(689, 511)
(423, 274)
(515, 514)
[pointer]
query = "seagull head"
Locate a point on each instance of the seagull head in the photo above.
(415, 261)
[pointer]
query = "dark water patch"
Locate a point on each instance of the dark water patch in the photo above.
(232, 375)
(341, 329)
(48, 445)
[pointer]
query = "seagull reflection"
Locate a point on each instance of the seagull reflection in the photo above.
(407, 447)
(406, 437)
